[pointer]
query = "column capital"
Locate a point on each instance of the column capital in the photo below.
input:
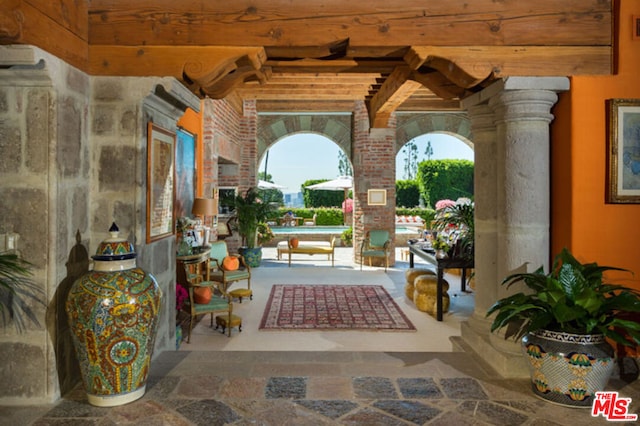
(553, 84)
(524, 105)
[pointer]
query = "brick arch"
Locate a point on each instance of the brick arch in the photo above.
(410, 126)
(273, 127)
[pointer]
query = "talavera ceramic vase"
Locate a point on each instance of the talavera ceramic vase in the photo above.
(568, 369)
(113, 314)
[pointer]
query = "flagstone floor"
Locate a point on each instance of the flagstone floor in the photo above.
(322, 380)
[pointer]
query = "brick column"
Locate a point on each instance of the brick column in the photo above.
(373, 168)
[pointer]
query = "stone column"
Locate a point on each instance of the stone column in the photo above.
(485, 196)
(513, 174)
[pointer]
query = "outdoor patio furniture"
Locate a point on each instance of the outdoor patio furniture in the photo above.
(218, 273)
(376, 244)
(310, 221)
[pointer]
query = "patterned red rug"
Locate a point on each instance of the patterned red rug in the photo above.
(332, 307)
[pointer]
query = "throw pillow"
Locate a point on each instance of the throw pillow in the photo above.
(293, 242)
(202, 295)
(230, 263)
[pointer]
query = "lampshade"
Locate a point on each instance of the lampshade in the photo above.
(205, 207)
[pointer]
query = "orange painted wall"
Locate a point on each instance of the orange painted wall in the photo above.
(192, 122)
(581, 219)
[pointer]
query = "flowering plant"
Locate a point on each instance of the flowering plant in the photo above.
(184, 224)
(347, 205)
(265, 234)
(181, 296)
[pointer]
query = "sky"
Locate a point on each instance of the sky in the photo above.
(300, 157)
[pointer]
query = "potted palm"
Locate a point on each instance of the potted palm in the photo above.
(566, 324)
(250, 212)
(16, 290)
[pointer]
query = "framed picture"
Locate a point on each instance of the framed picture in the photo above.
(377, 197)
(185, 172)
(624, 151)
(160, 182)
(225, 193)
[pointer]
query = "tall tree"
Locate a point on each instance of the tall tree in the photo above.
(410, 151)
(428, 151)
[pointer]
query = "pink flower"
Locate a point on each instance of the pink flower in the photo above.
(181, 296)
(347, 205)
(442, 204)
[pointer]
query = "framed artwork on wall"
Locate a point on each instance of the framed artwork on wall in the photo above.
(624, 151)
(160, 182)
(377, 197)
(186, 176)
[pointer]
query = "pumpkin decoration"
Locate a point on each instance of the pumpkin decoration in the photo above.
(202, 295)
(230, 263)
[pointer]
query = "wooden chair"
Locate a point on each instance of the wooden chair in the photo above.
(220, 301)
(218, 274)
(310, 221)
(376, 244)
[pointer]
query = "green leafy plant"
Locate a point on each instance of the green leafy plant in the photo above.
(572, 298)
(347, 236)
(16, 290)
(250, 211)
(265, 234)
(458, 218)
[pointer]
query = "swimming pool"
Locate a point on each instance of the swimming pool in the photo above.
(289, 230)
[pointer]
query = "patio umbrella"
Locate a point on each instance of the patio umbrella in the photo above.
(263, 184)
(342, 183)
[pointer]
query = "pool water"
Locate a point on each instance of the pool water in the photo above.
(287, 230)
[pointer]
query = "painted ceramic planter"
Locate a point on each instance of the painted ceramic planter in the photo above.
(113, 312)
(568, 369)
(253, 256)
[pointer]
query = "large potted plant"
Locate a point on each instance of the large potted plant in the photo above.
(17, 291)
(566, 324)
(250, 212)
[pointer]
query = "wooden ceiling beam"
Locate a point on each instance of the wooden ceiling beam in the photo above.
(468, 66)
(282, 23)
(60, 27)
(395, 90)
(294, 105)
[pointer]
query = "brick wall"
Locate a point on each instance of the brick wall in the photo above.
(374, 168)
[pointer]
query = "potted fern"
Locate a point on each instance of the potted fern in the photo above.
(566, 323)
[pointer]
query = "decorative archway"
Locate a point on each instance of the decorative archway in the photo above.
(273, 127)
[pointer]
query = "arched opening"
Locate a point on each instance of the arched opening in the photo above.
(296, 158)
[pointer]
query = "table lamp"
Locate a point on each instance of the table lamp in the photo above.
(203, 207)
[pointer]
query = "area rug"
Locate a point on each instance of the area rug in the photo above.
(333, 307)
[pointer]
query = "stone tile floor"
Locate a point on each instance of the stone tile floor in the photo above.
(320, 388)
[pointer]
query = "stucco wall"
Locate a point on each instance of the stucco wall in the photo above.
(581, 218)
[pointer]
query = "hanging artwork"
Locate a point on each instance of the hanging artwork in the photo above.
(160, 182)
(624, 151)
(185, 172)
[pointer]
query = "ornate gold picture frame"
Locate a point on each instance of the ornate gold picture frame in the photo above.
(161, 177)
(624, 151)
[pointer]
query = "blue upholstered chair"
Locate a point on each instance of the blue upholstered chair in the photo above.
(217, 273)
(376, 244)
(220, 302)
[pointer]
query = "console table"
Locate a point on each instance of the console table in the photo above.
(441, 265)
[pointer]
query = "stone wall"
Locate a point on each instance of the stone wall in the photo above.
(45, 186)
(74, 160)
